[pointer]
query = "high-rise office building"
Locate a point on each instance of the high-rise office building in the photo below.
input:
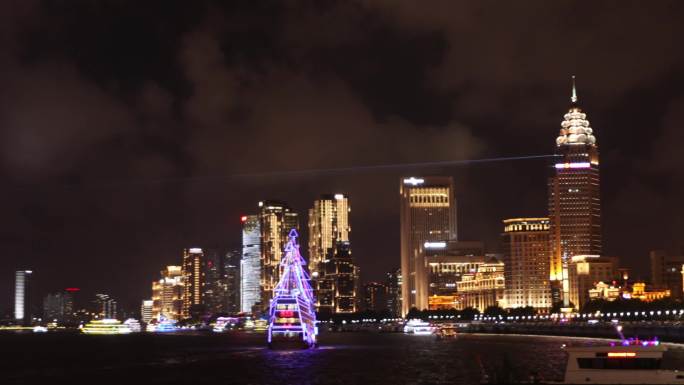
(146, 310)
(167, 294)
(332, 269)
(526, 245)
(193, 280)
(250, 264)
(574, 197)
(427, 213)
(230, 276)
(666, 272)
(104, 306)
(58, 306)
(393, 284)
(221, 287)
(276, 220)
(22, 299)
(375, 297)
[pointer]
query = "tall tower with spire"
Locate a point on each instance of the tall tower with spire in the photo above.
(574, 196)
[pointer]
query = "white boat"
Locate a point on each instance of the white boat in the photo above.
(105, 326)
(163, 326)
(418, 327)
(133, 324)
(631, 362)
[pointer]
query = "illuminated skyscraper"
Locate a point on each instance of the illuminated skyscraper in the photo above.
(330, 262)
(22, 303)
(276, 220)
(250, 264)
(526, 262)
(105, 306)
(146, 310)
(427, 213)
(167, 294)
(193, 280)
(574, 197)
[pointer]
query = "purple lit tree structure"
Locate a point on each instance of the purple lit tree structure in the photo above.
(292, 313)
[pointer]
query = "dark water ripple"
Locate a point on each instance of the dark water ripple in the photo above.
(343, 358)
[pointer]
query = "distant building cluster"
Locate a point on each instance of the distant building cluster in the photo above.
(549, 261)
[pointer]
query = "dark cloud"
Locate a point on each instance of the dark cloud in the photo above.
(118, 119)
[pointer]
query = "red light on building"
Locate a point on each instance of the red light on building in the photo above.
(243, 218)
(72, 289)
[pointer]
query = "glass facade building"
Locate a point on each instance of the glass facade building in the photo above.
(250, 263)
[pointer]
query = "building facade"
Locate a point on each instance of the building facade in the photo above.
(585, 271)
(574, 197)
(666, 272)
(250, 264)
(526, 245)
(448, 262)
(146, 309)
(221, 291)
(375, 297)
(58, 306)
(484, 287)
(167, 294)
(105, 306)
(393, 284)
(331, 266)
(427, 214)
(22, 298)
(193, 280)
(276, 219)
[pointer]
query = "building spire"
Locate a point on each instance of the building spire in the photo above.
(573, 98)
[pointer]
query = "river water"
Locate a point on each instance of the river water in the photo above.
(239, 358)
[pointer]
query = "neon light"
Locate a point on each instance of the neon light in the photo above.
(621, 354)
(573, 165)
(434, 245)
(292, 310)
(243, 218)
(414, 181)
(72, 289)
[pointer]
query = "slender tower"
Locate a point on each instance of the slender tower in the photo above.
(574, 197)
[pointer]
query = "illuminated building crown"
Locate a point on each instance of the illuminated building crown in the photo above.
(575, 128)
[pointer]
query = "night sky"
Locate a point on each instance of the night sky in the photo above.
(123, 123)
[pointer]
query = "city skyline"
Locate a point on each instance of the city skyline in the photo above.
(119, 156)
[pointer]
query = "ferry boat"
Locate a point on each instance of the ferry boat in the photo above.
(133, 324)
(418, 327)
(105, 326)
(224, 323)
(163, 326)
(630, 362)
(446, 331)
